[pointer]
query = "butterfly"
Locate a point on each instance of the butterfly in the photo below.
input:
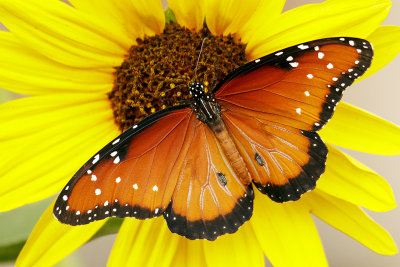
(196, 164)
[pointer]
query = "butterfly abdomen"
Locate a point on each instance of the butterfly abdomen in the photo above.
(231, 152)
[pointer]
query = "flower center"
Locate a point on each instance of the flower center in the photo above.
(157, 71)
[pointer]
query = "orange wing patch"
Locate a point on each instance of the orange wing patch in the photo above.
(209, 199)
(284, 162)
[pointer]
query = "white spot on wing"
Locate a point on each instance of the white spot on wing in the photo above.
(307, 93)
(94, 177)
(116, 160)
(155, 188)
(65, 197)
(115, 141)
(289, 58)
(96, 159)
(310, 76)
(118, 180)
(329, 66)
(135, 186)
(279, 53)
(114, 153)
(97, 191)
(351, 42)
(257, 60)
(303, 46)
(106, 203)
(321, 55)
(294, 64)
(298, 110)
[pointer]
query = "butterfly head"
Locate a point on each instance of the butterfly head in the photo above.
(204, 104)
(196, 89)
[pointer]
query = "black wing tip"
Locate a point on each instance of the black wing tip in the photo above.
(211, 230)
(361, 65)
(306, 180)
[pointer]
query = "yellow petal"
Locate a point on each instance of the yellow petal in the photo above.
(189, 253)
(386, 43)
(26, 71)
(357, 18)
(45, 140)
(287, 233)
(265, 14)
(189, 14)
(237, 249)
(351, 220)
(354, 182)
(136, 18)
(224, 17)
(63, 34)
(143, 243)
(357, 129)
(50, 240)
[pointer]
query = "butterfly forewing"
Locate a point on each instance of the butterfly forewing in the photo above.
(274, 105)
(130, 177)
(298, 86)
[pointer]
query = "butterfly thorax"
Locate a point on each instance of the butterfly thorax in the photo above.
(204, 105)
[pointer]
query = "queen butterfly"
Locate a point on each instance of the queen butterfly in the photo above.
(196, 163)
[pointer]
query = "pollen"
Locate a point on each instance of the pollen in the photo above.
(157, 70)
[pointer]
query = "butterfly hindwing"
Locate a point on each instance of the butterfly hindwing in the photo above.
(274, 104)
(298, 86)
(209, 200)
(284, 162)
(130, 177)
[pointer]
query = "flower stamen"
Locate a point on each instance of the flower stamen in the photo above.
(157, 70)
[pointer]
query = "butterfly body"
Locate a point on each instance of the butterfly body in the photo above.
(208, 111)
(197, 164)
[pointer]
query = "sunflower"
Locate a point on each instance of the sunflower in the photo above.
(93, 68)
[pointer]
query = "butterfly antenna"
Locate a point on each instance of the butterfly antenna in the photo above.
(198, 59)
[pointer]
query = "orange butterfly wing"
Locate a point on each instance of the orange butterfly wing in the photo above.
(273, 106)
(298, 86)
(209, 200)
(131, 176)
